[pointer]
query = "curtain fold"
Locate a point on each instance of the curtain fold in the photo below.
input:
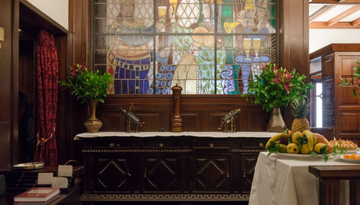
(47, 79)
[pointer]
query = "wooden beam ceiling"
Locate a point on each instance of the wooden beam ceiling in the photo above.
(340, 25)
(320, 12)
(343, 15)
(334, 1)
(356, 22)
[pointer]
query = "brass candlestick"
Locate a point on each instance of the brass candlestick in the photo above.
(176, 121)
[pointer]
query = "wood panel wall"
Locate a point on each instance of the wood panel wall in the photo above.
(201, 113)
(6, 88)
(347, 108)
(293, 34)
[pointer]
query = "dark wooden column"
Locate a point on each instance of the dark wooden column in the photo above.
(8, 61)
(78, 51)
(293, 39)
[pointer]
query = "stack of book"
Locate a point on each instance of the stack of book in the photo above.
(38, 196)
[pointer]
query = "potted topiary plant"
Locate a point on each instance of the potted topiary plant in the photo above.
(89, 87)
(276, 88)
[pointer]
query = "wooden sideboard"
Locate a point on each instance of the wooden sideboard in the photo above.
(170, 168)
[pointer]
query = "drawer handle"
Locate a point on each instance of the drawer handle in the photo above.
(111, 145)
(118, 145)
(227, 175)
(261, 144)
(145, 172)
(128, 173)
(211, 145)
(161, 145)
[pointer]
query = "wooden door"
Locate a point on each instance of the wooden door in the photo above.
(114, 173)
(248, 162)
(347, 107)
(328, 90)
(211, 173)
(161, 172)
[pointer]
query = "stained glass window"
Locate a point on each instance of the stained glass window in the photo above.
(205, 46)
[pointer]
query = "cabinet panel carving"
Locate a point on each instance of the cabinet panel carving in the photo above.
(161, 173)
(211, 173)
(248, 162)
(113, 173)
(184, 165)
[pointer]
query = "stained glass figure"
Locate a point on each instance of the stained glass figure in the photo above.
(205, 46)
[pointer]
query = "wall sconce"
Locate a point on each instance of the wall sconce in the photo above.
(2, 38)
(2, 34)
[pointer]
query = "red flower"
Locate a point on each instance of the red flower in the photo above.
(263, 66)
(287, 86)
(356, 81)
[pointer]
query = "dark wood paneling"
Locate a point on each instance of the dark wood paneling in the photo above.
(328, 103)
(347, 108)
(293, 35)
(248, 162)
(335, 47)
(32, 19)
(199, 113)
(328, 66)
(349, 122)
(6, 89)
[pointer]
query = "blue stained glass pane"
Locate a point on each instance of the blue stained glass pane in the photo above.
(149, 46)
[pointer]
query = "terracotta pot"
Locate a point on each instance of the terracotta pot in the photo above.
(276, 122)
(93, 124)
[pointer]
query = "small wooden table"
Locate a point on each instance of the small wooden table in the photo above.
(329, 178)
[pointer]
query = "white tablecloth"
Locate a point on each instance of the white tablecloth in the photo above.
(175, 134)
(280, 180)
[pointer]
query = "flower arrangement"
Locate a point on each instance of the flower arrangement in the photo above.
(87, 84)
(277, 87)
(355, 81)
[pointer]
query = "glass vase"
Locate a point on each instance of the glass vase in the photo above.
(276, 122)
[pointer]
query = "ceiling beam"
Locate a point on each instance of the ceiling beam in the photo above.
(356, 22)
(320, 12)
(343, 15)
(340, 25)
(334, 2)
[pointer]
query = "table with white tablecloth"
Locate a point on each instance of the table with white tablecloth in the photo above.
(280, 180)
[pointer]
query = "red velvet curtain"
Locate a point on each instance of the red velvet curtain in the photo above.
(47, 79)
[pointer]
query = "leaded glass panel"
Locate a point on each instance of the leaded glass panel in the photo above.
(205, 46)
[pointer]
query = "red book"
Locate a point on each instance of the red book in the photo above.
(37, 194)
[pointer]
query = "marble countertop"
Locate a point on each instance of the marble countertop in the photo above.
(176, 134)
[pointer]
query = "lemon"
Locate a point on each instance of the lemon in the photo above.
(292, 148)
(304, 149)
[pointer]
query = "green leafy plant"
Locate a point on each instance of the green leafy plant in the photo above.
(277, 87)
(87, 84)
(355, 80)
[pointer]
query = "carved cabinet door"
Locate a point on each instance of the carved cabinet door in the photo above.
(113, 173)
(211, 173)
(248, 162)
(161, 172)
